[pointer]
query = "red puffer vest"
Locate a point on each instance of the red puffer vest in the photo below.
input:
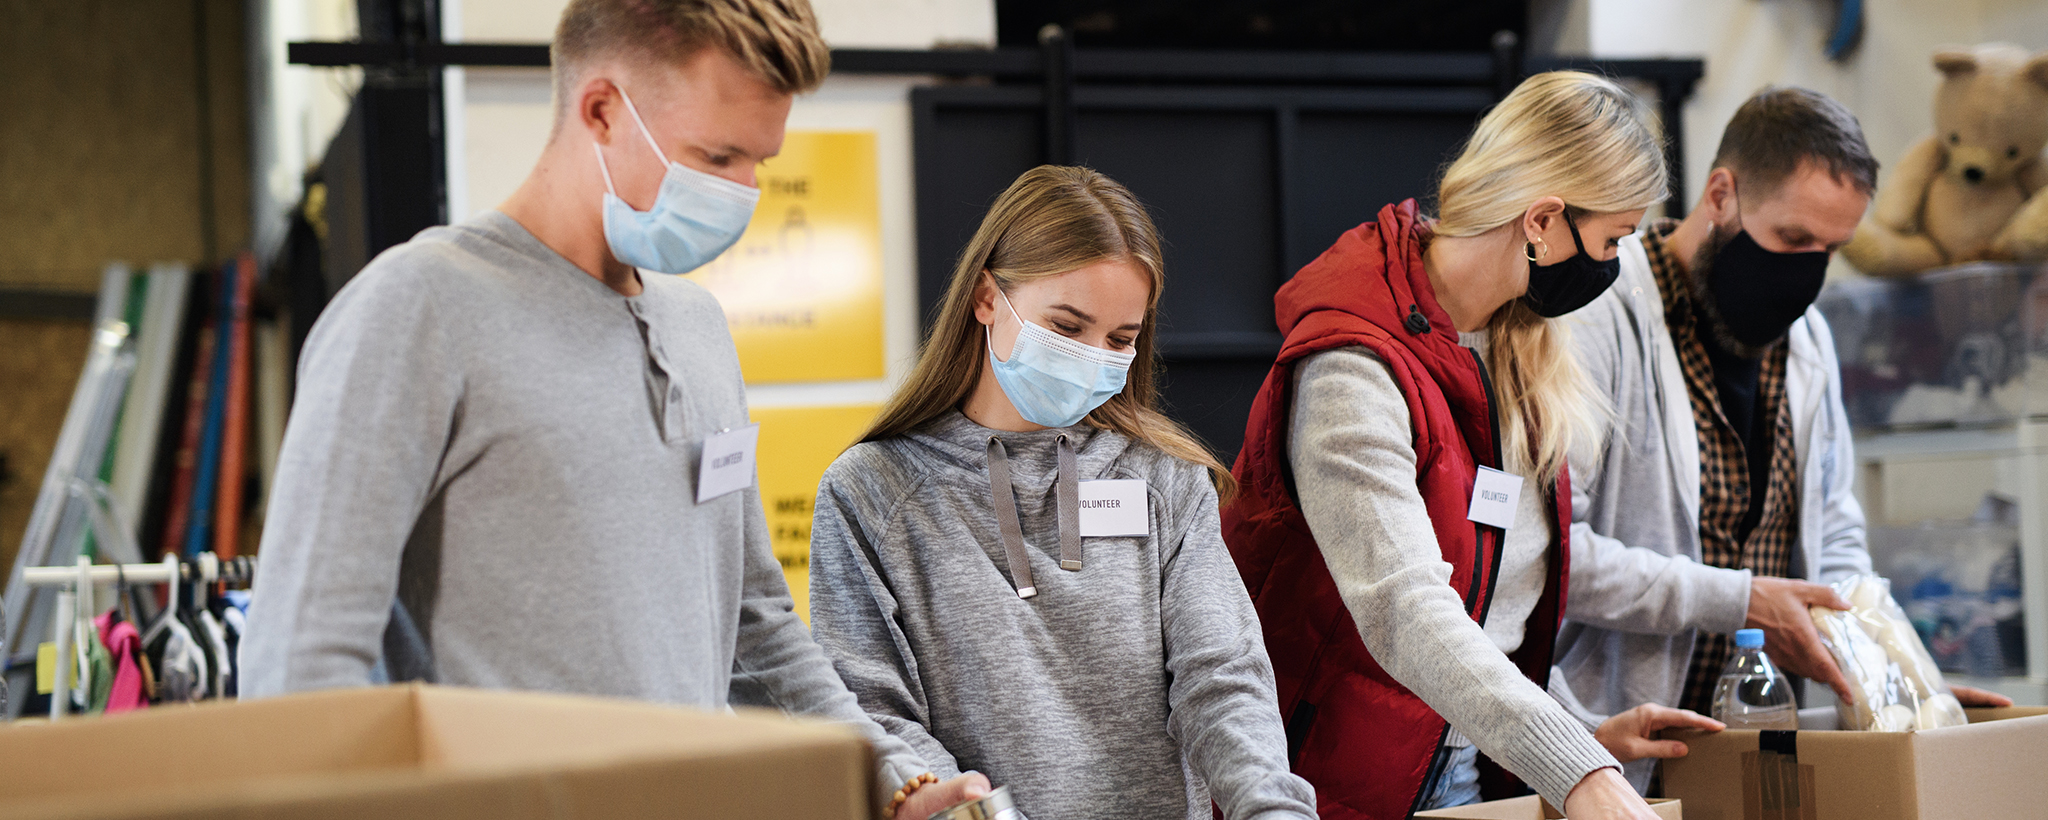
(1367, 743)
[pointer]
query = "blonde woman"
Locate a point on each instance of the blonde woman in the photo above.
(1018, 570)
(1404, 498)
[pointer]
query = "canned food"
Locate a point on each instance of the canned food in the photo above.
(996, 805)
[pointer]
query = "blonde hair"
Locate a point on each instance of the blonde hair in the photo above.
(1052, 220)
(1583, 139)
(777, 40)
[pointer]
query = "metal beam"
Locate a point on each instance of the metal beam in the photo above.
(47, 304)
(1107, 64)
(1062, 122)
(418, 55)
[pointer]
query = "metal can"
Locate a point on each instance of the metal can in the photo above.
(996, 805)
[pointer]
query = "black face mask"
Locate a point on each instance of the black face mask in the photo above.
(1755, 295)
(1562, 287)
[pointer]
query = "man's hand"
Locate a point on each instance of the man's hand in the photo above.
(1632, 735)
(929, 800)
(1778, 607)
(1605, 795)
(1972, 696)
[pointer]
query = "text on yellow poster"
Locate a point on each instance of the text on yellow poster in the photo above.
(802, 289)
(797, 444)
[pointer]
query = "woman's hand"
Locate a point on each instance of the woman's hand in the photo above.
(1632, 735)
(929, 800)
(1605, 795)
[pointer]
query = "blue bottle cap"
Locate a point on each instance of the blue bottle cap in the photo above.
(1749, 639)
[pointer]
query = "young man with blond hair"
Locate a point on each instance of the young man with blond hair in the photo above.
(491, 474)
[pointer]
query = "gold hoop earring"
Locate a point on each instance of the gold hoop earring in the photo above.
(1530, 250)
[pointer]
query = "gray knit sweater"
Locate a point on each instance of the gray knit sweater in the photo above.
(1353, 455)
(495, 438)
(1136, 687)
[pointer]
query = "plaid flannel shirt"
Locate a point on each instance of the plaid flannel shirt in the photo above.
(1724, 463)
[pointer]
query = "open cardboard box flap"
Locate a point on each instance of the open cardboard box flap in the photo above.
(1990, 768)
(434, 752)
(1532, 807)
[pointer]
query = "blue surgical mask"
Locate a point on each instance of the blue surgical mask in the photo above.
(1052, 380)
(694, 219)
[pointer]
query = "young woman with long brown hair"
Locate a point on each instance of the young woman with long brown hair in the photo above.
(1019, 569)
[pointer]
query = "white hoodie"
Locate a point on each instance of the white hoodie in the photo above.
(1638, 592)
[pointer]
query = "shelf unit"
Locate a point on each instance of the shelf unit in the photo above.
(1945, 378)
(1907, 477)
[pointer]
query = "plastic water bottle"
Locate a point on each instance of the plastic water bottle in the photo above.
(1752, 693)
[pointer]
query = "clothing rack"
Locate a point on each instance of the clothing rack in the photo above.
(156, 445)
(73, 500)
(77, 587)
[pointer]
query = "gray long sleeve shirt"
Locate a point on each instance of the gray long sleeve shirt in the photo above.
(1135, 687)
(510, 448)
(1352, 451)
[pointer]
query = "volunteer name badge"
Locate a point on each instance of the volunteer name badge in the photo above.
(1494, 497)
(728, 462)
(1118, 507)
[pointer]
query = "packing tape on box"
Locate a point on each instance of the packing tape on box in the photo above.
(1775, 786)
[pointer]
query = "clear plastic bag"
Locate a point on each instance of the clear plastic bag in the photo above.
(1898, 687)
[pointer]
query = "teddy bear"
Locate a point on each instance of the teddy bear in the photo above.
(1973, 191)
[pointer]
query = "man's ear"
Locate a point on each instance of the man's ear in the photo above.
(1720, 193)
(599, 108)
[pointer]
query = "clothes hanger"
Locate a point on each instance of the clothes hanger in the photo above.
(121, 603)
(170, 611)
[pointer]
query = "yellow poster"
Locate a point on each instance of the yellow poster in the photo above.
(797, 444)
(803, 288)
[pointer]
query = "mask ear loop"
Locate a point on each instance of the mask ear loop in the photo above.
(1735, 190)
(630, 109)
(1006, 304)
(988, 332)
(605, 169)
(1574, 225)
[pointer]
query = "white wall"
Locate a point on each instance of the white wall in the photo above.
(295, 109)
(1888, 82)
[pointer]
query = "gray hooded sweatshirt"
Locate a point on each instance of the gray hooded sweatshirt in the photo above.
(1137, 686)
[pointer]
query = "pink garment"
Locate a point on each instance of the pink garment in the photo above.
(123, 642)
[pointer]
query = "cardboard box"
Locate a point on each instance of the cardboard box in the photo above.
(432, 752)
(1534, 808)
(1996, 767)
